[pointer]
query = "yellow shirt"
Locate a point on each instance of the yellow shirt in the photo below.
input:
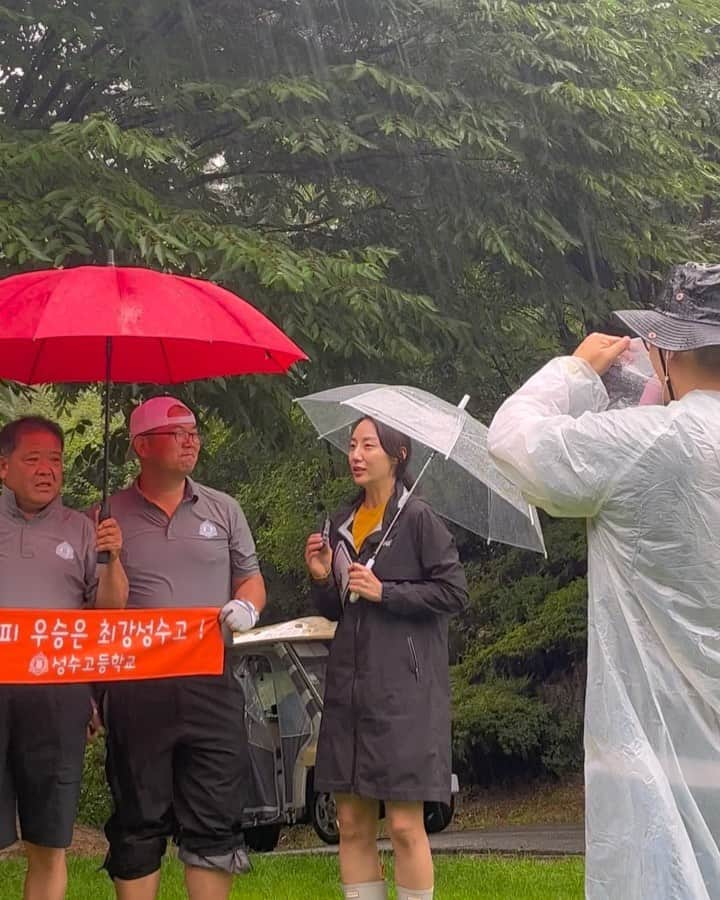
(365, 522)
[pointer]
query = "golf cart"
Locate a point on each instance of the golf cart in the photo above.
(282, 671)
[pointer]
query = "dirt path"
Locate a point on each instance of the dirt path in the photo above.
(534, 840)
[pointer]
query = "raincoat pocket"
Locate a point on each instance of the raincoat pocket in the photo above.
(414, 663)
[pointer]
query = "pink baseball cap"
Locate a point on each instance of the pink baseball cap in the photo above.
(155, 413)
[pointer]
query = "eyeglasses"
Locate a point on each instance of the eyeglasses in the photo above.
(180, 436)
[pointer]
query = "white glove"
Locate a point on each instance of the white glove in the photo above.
(238, 615)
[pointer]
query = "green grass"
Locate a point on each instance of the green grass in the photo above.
(316, 878)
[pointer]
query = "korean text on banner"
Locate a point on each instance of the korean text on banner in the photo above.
(56, 646)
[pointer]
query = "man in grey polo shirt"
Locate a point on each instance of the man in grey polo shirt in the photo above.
(177, 760)
(48, 557)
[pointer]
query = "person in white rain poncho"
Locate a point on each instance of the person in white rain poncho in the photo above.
(648, 481)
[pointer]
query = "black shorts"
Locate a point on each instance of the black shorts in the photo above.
(177, 767)
(42, 746)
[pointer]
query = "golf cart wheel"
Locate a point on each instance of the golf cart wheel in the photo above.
(438, 816)
(262, 838)
(324, 818)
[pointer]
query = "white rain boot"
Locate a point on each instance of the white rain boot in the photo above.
(368, 890)
(405, 894)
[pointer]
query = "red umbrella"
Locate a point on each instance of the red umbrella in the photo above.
(55, 326)
(106, 323)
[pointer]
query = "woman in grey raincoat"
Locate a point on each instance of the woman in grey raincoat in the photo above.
(648, 481)
(385, 732)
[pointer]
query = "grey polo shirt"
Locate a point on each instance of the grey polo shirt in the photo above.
(190, 559)
(48, 561)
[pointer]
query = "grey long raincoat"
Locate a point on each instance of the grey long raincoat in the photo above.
(385, 730)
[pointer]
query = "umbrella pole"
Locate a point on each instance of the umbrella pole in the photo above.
(106, 434)
(104, 509)
(104, 556)
(371, 562)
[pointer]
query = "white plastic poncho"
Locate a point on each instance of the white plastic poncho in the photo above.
(648, 481)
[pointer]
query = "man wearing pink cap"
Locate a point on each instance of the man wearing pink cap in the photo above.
(177, 759)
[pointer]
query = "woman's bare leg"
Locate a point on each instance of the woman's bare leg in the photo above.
(413, 860)
(357, 822)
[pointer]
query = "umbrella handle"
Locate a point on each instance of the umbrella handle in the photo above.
(103, 556)
(353, 598)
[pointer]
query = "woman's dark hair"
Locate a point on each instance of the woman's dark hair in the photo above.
(392, 442)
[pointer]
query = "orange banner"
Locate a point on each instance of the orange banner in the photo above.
(39, 646)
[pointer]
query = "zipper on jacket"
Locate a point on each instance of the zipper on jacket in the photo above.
(416, 664)
(358, 607)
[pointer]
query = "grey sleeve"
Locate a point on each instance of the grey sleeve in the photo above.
(90, 565)
(243, 558)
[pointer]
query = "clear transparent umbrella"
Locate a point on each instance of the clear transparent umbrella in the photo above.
(450, 460)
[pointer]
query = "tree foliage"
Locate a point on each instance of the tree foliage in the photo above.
(350, 169)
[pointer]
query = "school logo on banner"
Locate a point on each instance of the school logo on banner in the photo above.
(39, 665)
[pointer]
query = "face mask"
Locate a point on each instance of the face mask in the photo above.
(652, 394)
